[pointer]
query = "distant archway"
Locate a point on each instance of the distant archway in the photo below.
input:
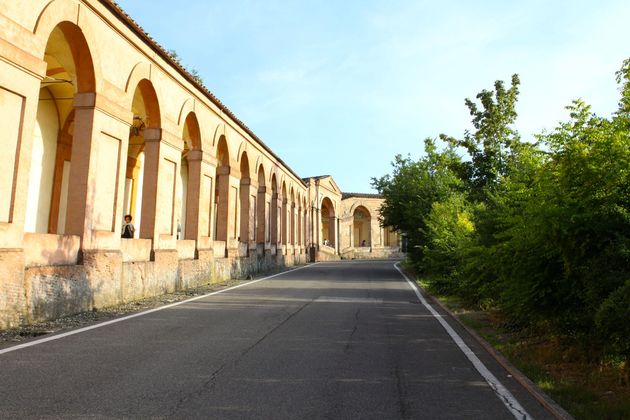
(328, 222)
(292, 211)
(221, 192)
(246, 227)
(283, 219)
(362, 229)
(261, 208)
(273, 217)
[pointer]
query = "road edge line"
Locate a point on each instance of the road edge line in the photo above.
(504, 395)
(545, 400)
(149, 311)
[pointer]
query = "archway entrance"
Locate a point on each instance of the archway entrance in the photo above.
(328, 222)
(362, 227)
(69, 71)
(247, 208)
(145, 115)
(192, 141)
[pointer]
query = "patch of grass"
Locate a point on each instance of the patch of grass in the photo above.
(586, 389)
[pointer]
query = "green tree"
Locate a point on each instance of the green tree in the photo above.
(194, 73)
(493, 141)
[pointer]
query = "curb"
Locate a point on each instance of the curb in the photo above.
(543, 399)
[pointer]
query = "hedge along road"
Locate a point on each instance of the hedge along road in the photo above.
(329, 340)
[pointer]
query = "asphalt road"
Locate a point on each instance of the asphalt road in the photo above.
(330, 340)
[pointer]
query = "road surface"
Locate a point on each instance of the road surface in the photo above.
(343, 340)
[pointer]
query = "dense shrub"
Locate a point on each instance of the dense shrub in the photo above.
(541, 231)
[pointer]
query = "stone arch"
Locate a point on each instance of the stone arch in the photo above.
(361, 227)
(247, 221)
(150, 104)
(358, 203)
(187, 108)
(192, 132)
(58, 176)
(273, 173)
(327, 215)
(259, 162)
(262, 235)
(222, 186)
(140, 70)
(242, 148)
(219, 132)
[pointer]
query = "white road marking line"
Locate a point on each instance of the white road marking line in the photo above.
(337, 299)
(504, 395)
(125, 318)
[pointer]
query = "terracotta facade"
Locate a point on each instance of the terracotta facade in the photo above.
(100, 122)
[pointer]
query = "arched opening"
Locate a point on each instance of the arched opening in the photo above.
(246, 217)
(283, 221)
(69, 71)
(221, 192)
(328, 222)
(298, 217)
(261, 208)
(292, 211)
(362, 229)
(273, 218)
(146, 114)
(305, 223)
(192, 141)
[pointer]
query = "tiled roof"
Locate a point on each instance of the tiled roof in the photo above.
(316, 178)
(359, 195)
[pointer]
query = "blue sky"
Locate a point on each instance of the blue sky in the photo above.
(341, 87)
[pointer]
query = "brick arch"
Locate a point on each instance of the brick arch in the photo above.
(360, 203)
(151, 102)
(187, 107)
(260, 168)
(223, 142)
(245, 164)
(273, 172)
(332, 203)
(218, 132)
(259, 162)
(242, 148)
(193, 129)
(140, 70)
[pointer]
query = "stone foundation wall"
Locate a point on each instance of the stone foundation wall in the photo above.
(48, 292)
(12, 289)
(366, 253)
(56, 291)
(323, 254)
